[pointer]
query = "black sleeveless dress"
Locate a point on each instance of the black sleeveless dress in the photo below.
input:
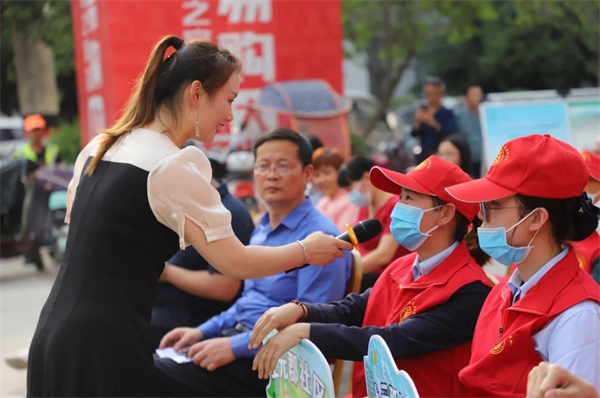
(93, 337)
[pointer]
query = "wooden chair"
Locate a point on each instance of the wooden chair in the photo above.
(353, 286)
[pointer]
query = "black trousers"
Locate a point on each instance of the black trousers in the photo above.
(188, 380)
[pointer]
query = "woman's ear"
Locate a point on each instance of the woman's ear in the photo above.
(196, 91)
(448, 212)
(308, 173)
(539, 219)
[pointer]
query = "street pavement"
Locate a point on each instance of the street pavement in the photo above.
(23, 292)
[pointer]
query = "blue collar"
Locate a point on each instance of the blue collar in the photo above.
(294, 217)
(516, 284)
(425, 267)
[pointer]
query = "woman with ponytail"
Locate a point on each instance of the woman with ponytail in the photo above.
(135, 199)
(532, 203)
(424, 305)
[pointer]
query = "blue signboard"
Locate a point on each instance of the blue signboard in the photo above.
(503, 122)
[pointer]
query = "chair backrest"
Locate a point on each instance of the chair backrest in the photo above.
(356, 274)
(492, 279)
(353, 286)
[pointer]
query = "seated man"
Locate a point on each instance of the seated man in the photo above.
(222, 361)
(189, 299)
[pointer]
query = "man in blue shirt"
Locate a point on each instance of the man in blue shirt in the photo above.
(433, 122)
(222, 362)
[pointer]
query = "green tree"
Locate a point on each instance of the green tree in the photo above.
(530, 45)
(391, 33)
(27, 27)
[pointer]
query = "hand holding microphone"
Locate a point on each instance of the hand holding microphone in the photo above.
(319, 247)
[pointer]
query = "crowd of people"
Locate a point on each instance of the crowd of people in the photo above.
(142, 210)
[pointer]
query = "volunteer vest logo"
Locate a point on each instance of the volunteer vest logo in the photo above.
(498, 348)
(423, 165)
(581, 260)
(408, 310)
(502, 155)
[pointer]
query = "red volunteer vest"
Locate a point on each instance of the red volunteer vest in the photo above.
(588, 250)
(395, 297)
(503, 354)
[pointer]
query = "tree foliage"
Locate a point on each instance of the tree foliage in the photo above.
(531, 45)
(48, 21)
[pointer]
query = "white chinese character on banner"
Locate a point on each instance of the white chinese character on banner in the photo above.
(87, 3)
(198, 8)
(318, 387)
(192, 34)
(247, 11)
(283, 369)
(293, 367)
(89, 21)
(257, 52)
(92, 59)
(304, 376)
(96, 115)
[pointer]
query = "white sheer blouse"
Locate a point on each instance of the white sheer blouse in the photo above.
(179, 187)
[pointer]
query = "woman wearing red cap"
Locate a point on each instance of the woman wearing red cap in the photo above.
(424, 305)
(532, 203)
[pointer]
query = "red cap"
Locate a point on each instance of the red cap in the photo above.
(535, 165)
(429, 178)
(592, 162)
(33, 122)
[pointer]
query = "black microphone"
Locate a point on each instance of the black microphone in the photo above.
(364, 232)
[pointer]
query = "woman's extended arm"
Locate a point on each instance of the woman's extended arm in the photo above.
(235, 260)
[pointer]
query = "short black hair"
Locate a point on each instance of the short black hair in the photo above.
(315, 142)
(304, 149)
(435, 81)
(219, 170)
(356, 168)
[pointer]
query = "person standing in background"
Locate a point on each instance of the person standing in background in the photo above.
(35, 150)
(469, 125)
(432, 121)
(38, 154)
(335, 203)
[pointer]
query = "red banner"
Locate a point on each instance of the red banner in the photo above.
(277, 40)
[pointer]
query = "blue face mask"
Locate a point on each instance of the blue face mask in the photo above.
(493, 242)
(406, 226)
(358, 198)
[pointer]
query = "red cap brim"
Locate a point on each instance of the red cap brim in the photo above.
(393, 182)
(477, 191)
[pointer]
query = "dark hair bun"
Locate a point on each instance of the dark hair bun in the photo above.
(585, 218)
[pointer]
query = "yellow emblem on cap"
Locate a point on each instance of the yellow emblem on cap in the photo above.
(502, 155)
(423, 165)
